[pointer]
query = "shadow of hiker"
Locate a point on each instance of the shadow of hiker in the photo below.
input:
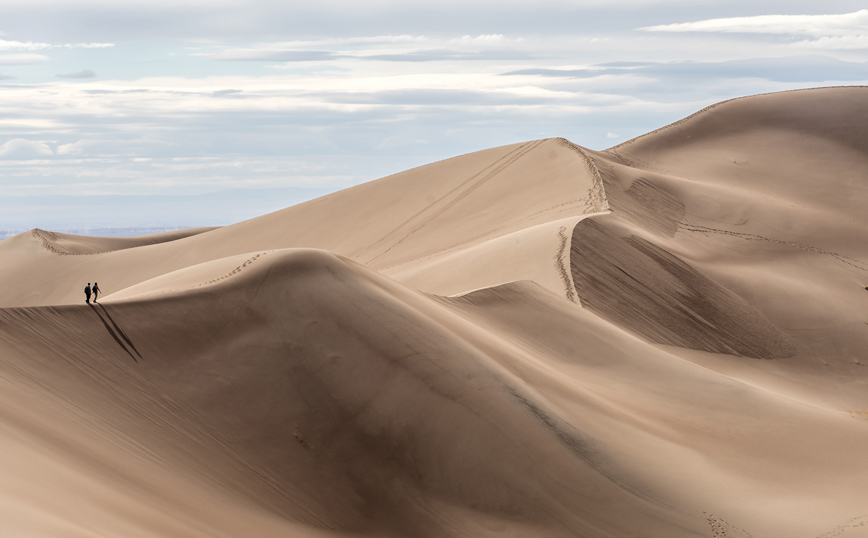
(119, 330)
(116, 332)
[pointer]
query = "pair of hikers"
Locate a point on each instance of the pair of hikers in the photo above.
(88, 290)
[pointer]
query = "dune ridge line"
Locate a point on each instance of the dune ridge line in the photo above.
(715, 105)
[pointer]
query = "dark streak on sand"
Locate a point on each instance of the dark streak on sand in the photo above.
(585, 448)
(112, 331)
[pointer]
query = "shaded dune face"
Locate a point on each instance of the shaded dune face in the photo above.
(357, 400)
(772, 198)
(366, 381)
(646, 205)
(646, 289)
(642, 287)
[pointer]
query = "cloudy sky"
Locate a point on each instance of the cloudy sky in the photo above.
(199, 112)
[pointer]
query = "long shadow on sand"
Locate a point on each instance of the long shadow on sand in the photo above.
(116, 332)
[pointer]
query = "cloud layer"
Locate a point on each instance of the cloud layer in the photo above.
(855, 23)
(830, 32)
(197, 97)
(22, 59)
(84, 73)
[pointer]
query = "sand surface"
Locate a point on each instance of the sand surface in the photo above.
(664, 339)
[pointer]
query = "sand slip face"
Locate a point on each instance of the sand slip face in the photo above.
(774, 189)
(663, 339)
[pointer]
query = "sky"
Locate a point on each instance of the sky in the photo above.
(181, 113)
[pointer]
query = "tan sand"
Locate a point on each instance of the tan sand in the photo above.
(664, 339)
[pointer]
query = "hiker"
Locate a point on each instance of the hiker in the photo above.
(95, 290)
(87, 293)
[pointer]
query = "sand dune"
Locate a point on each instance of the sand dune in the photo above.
(388, 224)
(663, 339)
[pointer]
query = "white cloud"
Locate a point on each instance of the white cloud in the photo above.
(23, 45)
(24, 123)
(343, 41)
(332, 49)
(248, 55)
(18, 148)
(22, 59)
(84, 73)
(76, 148)
(33, 45)
(850, 42)
(855, 23)
(610, 134)
(89, 45)
(484, 39)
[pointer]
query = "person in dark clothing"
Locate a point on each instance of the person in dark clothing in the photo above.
(95, 291)
(87, 293)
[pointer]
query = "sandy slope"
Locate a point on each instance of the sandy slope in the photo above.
(666, 339)
(390, 225)
(76, 245)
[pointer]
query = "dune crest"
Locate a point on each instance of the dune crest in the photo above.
(531, 340)
(69, 244)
